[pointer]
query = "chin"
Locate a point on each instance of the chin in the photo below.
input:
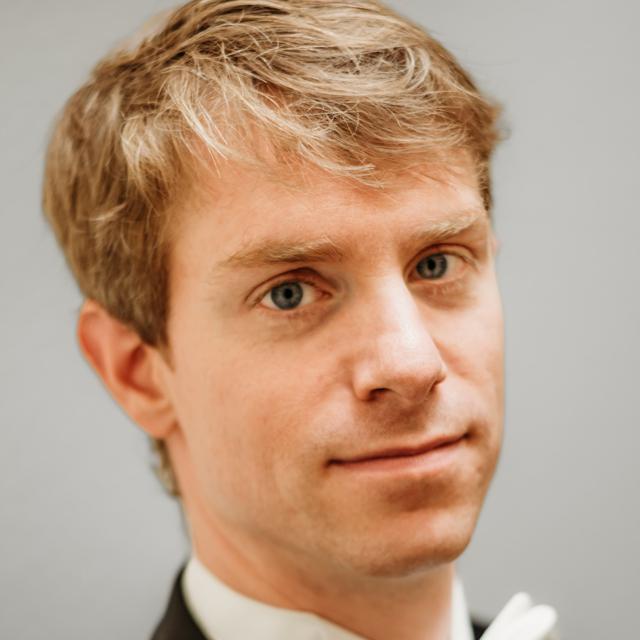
(412, 550)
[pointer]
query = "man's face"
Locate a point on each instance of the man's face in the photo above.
(312, 326)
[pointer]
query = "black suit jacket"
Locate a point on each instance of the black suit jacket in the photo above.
(177, 623)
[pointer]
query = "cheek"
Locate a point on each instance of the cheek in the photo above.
(246, 417)
(472, 343)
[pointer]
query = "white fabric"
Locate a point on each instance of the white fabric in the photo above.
(521, 620)
(225, 614)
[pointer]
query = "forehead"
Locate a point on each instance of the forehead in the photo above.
(237, 210)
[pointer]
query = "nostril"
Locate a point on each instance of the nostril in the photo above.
(375, 393)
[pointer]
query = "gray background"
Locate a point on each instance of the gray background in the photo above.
(90, 543)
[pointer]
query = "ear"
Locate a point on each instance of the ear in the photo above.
(128, 367)
(495, 244)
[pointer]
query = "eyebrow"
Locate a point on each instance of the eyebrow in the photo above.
(322, 249)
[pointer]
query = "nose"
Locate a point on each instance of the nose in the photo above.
(395, 353)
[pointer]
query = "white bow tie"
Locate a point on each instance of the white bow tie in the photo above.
(520, 620)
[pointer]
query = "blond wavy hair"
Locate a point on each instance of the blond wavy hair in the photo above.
(347, 85)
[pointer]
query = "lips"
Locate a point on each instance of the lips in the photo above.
(403, 451)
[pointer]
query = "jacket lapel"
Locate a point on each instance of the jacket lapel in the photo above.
(177, 622)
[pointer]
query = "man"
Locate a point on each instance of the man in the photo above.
(279, 213)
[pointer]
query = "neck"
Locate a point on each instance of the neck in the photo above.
(417, 607)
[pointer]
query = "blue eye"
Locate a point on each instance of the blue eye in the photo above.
(287, 295)
(291, 295)
(433, 267)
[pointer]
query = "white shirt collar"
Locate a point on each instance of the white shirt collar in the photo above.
(225, 614)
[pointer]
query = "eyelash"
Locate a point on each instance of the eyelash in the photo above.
(451, 286)
(439, 290)
(292, 314)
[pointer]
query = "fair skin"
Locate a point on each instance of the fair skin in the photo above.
(384, 336)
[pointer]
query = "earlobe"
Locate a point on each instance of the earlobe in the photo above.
(127, 367)
(495, 244)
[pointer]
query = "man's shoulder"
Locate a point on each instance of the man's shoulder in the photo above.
(177, 623)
